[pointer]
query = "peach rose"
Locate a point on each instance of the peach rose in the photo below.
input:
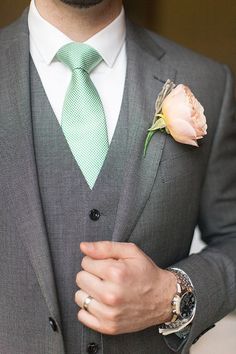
(184, 116)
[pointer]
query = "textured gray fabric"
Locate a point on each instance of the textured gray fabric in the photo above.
(163, 196)
(67, 201)
(27, 287)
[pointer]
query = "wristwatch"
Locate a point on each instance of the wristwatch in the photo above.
(183, 304)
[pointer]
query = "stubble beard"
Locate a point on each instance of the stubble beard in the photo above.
(82, 4)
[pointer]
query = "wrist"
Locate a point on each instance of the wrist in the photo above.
(171, 282)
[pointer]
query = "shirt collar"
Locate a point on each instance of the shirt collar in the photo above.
(49, 39)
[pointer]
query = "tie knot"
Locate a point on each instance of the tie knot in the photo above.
(79, 56)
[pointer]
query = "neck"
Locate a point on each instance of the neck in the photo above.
(76, 23)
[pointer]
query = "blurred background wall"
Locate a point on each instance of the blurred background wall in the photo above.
(10, 10)
(206, 26)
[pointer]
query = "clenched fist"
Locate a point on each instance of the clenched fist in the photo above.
(130, 292)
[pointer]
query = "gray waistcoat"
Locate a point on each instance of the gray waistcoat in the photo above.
(67, 202)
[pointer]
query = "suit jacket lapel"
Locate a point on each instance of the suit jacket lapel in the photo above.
(146, 75)
(19, 162)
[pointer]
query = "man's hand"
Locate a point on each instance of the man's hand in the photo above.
(129, 291)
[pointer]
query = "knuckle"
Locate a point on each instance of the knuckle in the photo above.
(77, 297)
(109, 298)
(79, 277)
(112, 299)
(84, 262)
(118, 272)
(114, 316)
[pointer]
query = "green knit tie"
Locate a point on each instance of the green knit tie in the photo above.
(83, 118)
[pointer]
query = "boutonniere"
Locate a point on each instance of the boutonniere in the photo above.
(179, 114)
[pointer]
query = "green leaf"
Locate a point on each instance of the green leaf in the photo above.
(147, 141)
(159, 124)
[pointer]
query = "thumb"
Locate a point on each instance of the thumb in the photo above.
(108, 249)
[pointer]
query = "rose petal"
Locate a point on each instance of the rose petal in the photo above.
(182, 132)
(184, 116)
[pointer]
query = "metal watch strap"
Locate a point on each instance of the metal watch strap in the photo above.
(184, 285)
(182, 279)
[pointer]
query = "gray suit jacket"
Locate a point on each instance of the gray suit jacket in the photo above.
(164, 195)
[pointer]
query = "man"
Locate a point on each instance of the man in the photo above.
(78, 92)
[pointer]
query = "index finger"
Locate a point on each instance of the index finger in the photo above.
(101, 268)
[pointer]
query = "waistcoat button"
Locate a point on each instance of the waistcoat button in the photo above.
(94, 214)
(92, 348)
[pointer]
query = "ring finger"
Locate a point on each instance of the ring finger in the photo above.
(94, 307)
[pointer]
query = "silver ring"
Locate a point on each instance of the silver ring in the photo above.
(86, 302)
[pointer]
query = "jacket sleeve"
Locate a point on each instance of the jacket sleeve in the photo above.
(213, 271)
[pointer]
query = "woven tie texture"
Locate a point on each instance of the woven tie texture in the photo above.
(83, 118)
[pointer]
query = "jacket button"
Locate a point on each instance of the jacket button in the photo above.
(94, 214)
(92, 348)
(53, 324)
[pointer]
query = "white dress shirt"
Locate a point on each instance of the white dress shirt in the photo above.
(108, 77)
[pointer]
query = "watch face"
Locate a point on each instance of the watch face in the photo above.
(187, 304)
